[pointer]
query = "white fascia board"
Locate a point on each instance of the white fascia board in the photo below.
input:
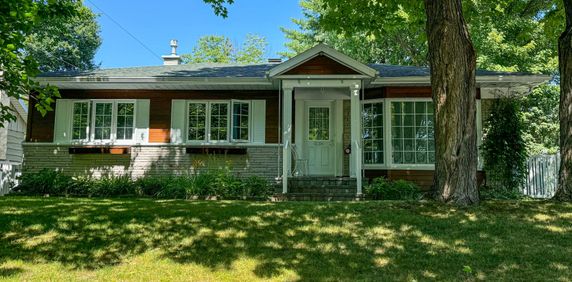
(322, 49)
(157, 82)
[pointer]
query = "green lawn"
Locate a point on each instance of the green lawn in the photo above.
(129, 239)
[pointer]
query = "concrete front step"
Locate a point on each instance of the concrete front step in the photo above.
(319, 188)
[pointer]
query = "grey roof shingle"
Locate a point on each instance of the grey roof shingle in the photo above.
(404, 71)
(210, 70)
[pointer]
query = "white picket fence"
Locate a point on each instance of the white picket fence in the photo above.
(542, 176)
(9, 173)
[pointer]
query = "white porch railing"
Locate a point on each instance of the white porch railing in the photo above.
(542, 177)
(9, 173)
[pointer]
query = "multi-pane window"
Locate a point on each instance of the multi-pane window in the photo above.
(240, 121)
(373, 135)
(412, 135)
(125, 122)
(103, 120)
(219, 122)
(319, 123)
(80, 124)
(197, 122)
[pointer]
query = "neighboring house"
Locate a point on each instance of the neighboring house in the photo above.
(320, 113)
(12, 133)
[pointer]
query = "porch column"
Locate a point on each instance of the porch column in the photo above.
(286, 137)
(356, 135)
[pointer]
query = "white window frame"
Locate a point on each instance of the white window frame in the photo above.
(209, 116)
(385, 136)
(388, 149)
(88, 129)
(114, 121)
(207, 121)
(91, 124)
(250, 125)
(208, 140)
(93, 113)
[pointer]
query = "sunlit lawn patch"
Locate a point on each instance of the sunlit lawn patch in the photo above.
(131, 239)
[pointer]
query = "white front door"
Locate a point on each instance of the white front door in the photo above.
(319, 137)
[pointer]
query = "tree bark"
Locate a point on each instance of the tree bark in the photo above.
(564, 191)
(453, 62)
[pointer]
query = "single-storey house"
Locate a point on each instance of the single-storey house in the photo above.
(320, 114)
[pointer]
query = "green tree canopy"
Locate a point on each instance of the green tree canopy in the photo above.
(219, 49)
(508, 35)
(65, 44)
(19, 19)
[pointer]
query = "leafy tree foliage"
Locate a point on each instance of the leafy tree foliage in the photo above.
(401, 41)
(65, 44)
(18, 19)
(504, 148)
(540, 118)
(508, 35)
(219, 49)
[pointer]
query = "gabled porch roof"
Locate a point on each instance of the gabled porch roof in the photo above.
(350, 65)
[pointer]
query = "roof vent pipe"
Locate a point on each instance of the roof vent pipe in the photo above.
(173, 59)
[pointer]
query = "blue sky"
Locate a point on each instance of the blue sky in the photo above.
(156, 22)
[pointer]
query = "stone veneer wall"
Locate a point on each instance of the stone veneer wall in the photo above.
(263, 161)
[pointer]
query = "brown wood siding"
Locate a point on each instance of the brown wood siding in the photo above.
(423, 178)
(402, 92)
(321, 65)
(41, 129)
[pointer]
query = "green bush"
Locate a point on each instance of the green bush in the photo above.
(256, 186)
(176, 187)
(113, 186)
(504, 148)
(220, 183)
(152, 185)
(44, 182)
(383, 189)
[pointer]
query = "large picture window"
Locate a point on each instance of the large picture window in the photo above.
(99, 120)
(373, 135)
(412, 134)
(220, 121)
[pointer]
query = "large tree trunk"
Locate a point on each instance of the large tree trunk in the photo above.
(453, 62)
(564, 191)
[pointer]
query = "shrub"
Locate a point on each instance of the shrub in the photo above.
(151, 185)
(256, 186)
(113, 186)
(219, 183)
(504, 148)
(383, 189)
(44, 182)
